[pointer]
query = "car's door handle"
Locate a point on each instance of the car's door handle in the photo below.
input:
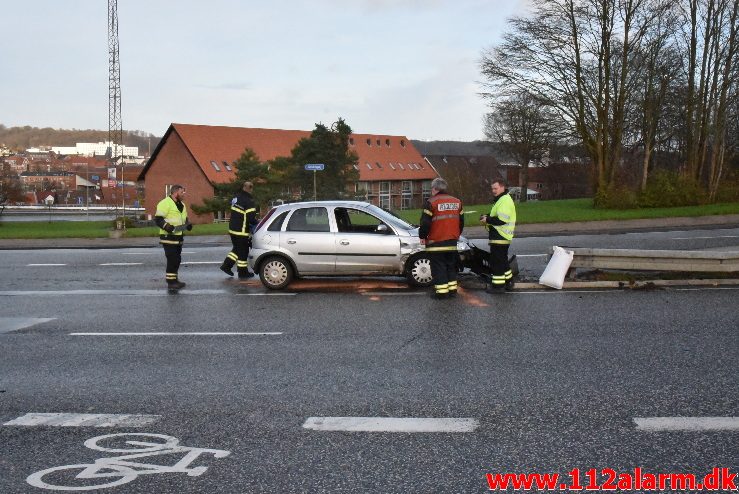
(344, 242)
(292, 241)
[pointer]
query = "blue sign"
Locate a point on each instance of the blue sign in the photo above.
(315, 166)
(95, 177)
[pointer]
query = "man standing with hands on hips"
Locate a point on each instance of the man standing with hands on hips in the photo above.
(501, 222)
(171, 218)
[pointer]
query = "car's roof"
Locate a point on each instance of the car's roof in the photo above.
(337, 203)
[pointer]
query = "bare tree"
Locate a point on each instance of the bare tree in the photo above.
(578, 56)
(525, 127)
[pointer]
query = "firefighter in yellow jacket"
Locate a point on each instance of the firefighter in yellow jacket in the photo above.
(442, 222)
(171, 218)
(501, 223)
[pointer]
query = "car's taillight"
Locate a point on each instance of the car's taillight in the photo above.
(266, 217)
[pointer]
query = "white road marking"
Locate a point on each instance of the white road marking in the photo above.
(141, 253)
(46, 264)
(655, 424)
(704, 288)
(390, 424)
(268, 294)
(202, 262)
(83, 420)
(121, 264)
(696, 238)
(394, 294)
(139, 293)
(8, 324)
(532, 255)
(195, 333)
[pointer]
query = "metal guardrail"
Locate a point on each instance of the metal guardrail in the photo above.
(656, 260)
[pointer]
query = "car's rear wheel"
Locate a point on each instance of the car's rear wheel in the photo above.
(418, 270)
(276, 273)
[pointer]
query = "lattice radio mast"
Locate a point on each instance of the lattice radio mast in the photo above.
(115, 121)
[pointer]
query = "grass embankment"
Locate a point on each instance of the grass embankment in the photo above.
(568, 210)
(531, 212)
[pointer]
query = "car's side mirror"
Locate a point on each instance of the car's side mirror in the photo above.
(382, 228)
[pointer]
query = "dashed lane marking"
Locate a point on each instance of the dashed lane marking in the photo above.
(8, 324)
(703, 238)
(390, 424)
(121, 264)
(82, 420)
(134, 293)
(658, 424)
(195, 333)
(45, 264)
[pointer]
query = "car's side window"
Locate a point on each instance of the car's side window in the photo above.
(309, 220)
(356, 221)
(276, 224)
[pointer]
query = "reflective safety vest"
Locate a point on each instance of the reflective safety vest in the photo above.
(167, 209)
(505, 210)
(445, 212)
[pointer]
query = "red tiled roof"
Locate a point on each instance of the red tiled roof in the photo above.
(397, 157)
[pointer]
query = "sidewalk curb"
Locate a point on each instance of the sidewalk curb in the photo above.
(638, 285)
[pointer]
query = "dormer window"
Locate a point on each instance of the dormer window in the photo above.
(387, 142)
(227, 166)
(215, 166)
(377, 164)
(378, 142)
(401, 166)
(369, 167)
(392, 166)
(351, 141)
(402, 142)
(369, 141)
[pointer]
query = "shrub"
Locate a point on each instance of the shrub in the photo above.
(615, 197)
(129, 222)
(669, 189)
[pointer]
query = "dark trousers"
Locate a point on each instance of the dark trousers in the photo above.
(239, 254)
(173, 253)
(501, 270)
(444, 271)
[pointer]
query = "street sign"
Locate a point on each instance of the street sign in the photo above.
(315, 167)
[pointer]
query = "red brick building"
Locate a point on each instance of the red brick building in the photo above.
(392, 173)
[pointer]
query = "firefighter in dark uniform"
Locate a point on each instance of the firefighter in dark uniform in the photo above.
(171, 218)
(243, 219)
(442, 222)
(501, 223)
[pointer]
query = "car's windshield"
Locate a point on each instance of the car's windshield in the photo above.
(390, 217)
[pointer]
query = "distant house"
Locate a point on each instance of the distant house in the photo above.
(392, 173)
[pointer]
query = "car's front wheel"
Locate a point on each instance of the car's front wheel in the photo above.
(418, 270)
(276, 273)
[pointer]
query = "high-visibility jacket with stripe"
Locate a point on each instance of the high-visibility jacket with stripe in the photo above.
(170, 213)
(502, 220)
(243, 214)
(442, 222)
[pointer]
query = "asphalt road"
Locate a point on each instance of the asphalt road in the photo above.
(544, 381)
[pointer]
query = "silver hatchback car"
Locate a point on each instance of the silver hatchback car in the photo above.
(338, 238)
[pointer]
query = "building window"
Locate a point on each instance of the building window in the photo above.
(387, 142)
(378, 142)
(215, 166)
(351, 141)
(378, 165)
(356, 167)
(369, 167)
(227, 166)
(407, 194)
(539, 186)
(402, 143)
(392, 166)
(385, 195)
(369, 141)
(167, 190)
(401, 166)
(426, 189)
(360, 191)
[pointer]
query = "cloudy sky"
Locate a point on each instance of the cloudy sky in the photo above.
(400, 67)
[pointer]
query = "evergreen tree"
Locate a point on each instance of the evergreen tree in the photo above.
(330, 147)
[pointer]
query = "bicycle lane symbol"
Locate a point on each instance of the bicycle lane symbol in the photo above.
(113, 471)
